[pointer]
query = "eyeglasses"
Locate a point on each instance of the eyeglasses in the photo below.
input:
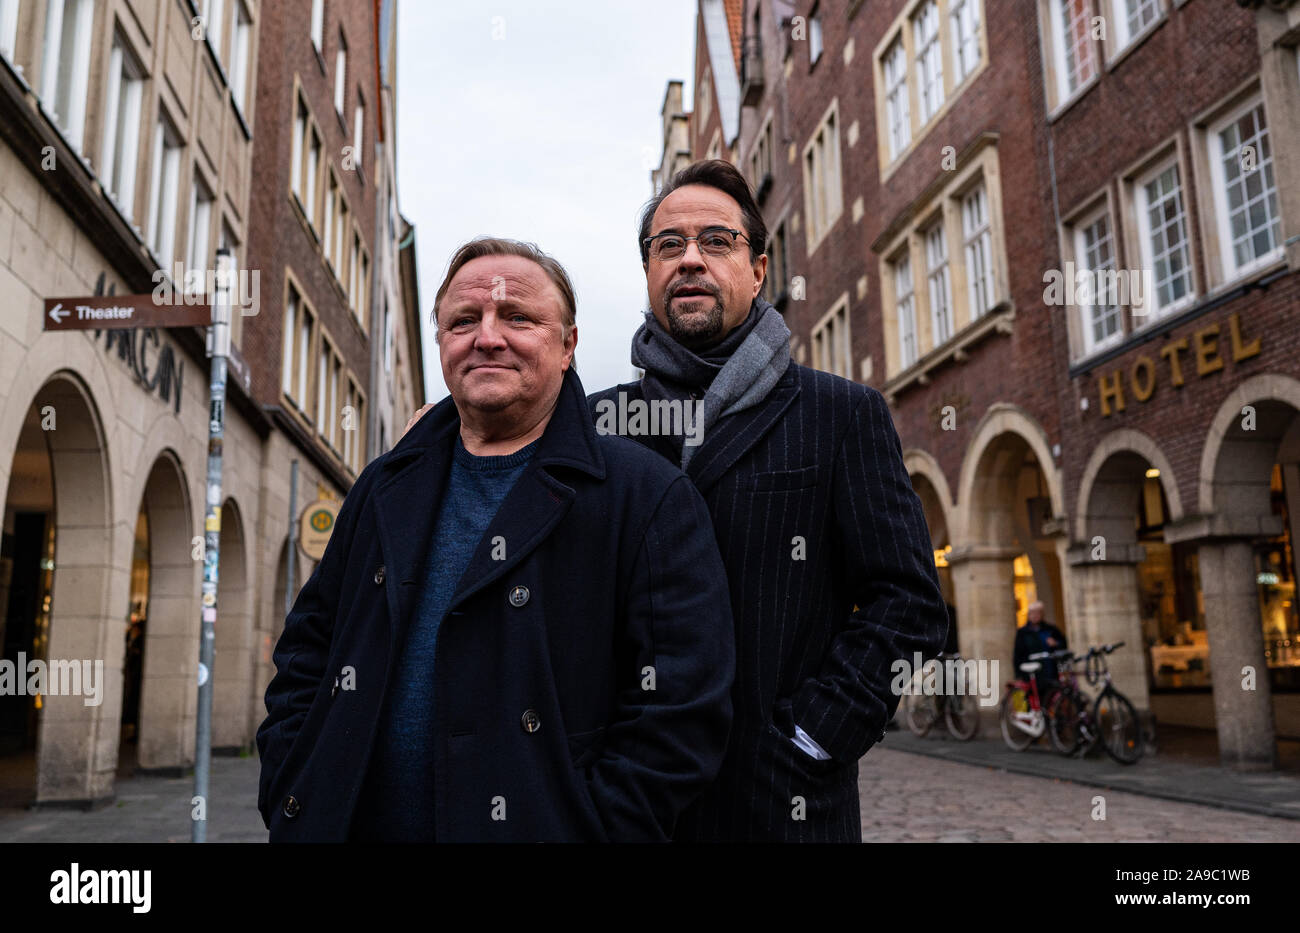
(712, 241)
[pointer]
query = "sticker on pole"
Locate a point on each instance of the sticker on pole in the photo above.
(203, 673)
(315, 525)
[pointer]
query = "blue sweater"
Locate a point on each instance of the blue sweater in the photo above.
(397, 799)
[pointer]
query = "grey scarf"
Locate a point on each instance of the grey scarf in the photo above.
(735, 375)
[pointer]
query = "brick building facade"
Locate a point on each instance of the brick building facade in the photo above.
(930, 171)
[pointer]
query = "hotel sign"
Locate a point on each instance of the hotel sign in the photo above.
(1204, 351)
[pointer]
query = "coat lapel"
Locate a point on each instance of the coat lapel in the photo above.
(407, 504)
(735, 435)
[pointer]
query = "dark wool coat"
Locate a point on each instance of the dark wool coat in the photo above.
(583, 683)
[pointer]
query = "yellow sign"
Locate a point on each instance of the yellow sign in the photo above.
(1205, 350)
(315, 525)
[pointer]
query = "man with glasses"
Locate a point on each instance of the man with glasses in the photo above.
(828, 558)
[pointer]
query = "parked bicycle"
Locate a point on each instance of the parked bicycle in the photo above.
(1023, 715)
(959, 711)
(1078, 724)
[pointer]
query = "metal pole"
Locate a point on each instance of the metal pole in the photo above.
(290, 589)
(219, 344)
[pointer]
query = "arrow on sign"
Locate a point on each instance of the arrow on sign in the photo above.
(56, 311)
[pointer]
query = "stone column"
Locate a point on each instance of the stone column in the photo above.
(1104, 601)
(986, 611)
(1243, 717)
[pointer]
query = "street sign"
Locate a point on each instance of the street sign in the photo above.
(99, 312)
(315, 525)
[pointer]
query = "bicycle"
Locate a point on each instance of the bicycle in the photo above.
(1022, 715)
(959, 712)
(1110, 719)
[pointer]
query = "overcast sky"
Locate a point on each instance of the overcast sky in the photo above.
(547, 134)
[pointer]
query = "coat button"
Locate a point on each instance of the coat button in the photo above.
(518, 596)
(291, 806)
(531, 721)
(379, 574)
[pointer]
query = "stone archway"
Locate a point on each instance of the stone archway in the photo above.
(1252, 438)
(169, 698)
(60, 469)
(233, 647)
(931, 488)
(1108, 562)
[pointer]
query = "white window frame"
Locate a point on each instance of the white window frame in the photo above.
(164, 192)
(213, 13)
(977, 250)
(831, 342)
(964, 22)
(1125, 35)
(898, 110)
(1059, 30)
(202, 201)
(120, 145)
(289, 342)
(1264, 167)
(1151, 307)
(1088, 313)
(306, 327)
(318, 25)
(823, 178)
(938, 277)
(241, 30)
(816, 44)
(905, 307)
(927, 46)
(312, 175)
(65, 73)
(8, 27)
(327, 242)
(341, 76)
(358, 130)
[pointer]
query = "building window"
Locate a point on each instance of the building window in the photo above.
(1094, 251)
(305, 162)
(823, 195)
(929, 59)
(777, 281)
(298, 333)
(830, 340)
(323, 368)
(66, 71)
(8, 27)
(163, 193)
(1245, 191)
(940, 285)
(977, 238)
(354, 410)
(965, 18)
(340, 75)
(358, 129)
(1072, 52)
(1132, 17)
(904, 301)
(760, 160)
(121, 128)
(900, 126)
(1162, 221)
(212, 12)
(241, 31)
(313, 165)
(814, 35)
(318, 24)
(327, 243)
(201, 202)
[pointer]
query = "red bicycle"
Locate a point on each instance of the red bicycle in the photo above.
(1023, 714)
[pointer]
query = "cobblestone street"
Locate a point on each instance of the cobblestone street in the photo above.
(905, 797)
(916, 798)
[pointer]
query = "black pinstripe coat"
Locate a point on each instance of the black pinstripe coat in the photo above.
(814, 515)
